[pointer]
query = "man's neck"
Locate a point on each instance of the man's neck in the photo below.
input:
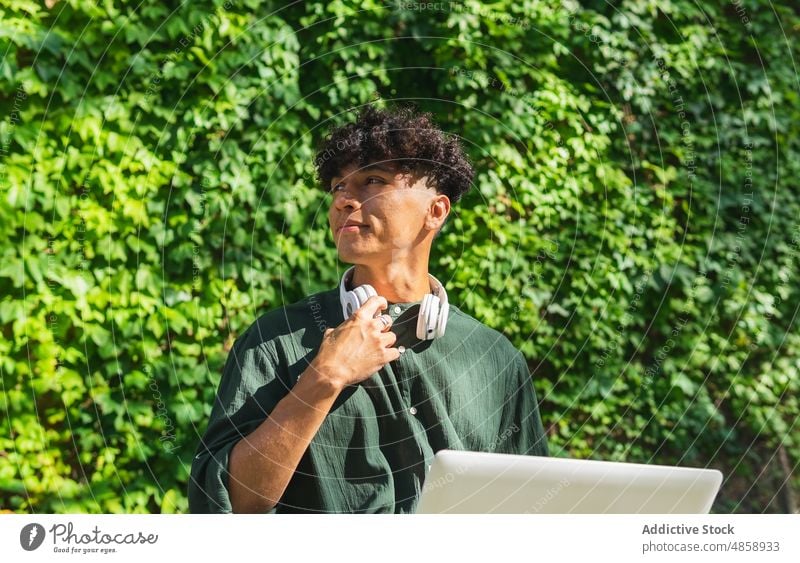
(398, 284)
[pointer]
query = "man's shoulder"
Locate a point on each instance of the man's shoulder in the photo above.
(471, 328)
(285, 320)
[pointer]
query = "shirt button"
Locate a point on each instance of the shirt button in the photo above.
(413, 410)
(397, 310)
(401, 349)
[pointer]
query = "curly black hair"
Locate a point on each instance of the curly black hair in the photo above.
(409, 140)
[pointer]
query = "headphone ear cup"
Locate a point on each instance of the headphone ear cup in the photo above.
(433, 316)
(442, 324)
(427, 318)
(350, 303)
(357, 297)
(369, 291)
(421, 324)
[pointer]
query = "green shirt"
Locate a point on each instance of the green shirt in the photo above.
(468, 390)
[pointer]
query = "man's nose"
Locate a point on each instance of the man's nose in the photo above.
(343, 199)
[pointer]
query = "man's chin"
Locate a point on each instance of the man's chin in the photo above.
(348, 256)
(351, 256)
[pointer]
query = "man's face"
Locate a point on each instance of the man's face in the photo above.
(395, 211)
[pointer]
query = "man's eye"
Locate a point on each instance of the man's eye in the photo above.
(370, 180)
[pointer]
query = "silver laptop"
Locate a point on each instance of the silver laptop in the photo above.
(481, 483)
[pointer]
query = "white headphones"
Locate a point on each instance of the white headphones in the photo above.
(433, 310)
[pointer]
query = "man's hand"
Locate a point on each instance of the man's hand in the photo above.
(358, 347)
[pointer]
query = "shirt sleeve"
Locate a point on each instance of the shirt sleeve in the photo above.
(521, 429)
(248, 391)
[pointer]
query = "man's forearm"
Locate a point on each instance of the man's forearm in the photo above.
(262, 463)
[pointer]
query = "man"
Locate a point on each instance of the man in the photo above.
(318, 411)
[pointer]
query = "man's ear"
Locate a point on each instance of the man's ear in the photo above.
(438, 212)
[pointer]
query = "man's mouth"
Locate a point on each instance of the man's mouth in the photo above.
(351, 228)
